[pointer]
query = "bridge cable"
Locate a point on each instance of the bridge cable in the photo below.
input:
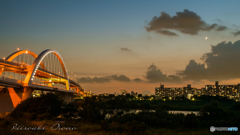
(23, 61)
(54, 64)
(18, 63)
(51, 63)
(26, 59)
(22, 64)
(47, 62)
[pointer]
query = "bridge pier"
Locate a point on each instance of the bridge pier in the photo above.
(11, 97)
(27, 93)
(13, 90)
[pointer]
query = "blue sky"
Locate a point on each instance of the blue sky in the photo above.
(90, 34)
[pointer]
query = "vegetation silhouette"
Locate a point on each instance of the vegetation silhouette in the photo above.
(93, 111)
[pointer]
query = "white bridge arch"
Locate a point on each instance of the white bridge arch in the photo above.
(30, 76)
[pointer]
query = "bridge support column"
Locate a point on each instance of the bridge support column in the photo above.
(27, 93)
(11, 97)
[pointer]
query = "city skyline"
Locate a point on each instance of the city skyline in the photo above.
(113, 45)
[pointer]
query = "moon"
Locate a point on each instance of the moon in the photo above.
(206, 38)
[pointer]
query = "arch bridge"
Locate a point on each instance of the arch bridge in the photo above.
(23, 71)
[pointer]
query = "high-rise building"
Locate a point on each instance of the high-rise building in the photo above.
(229, 91)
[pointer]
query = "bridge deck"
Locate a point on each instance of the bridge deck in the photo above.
(22, 69)
(7, 82)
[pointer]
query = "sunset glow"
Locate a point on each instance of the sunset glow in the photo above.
(136, 45)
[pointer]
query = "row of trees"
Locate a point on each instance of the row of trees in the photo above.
(153, 98)
(93, 110)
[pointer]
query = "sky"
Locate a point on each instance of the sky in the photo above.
(132, 44)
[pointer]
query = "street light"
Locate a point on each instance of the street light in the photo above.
(18, 49)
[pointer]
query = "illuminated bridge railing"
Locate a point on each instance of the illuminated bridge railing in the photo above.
(45, 69)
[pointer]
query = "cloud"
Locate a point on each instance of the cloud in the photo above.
(137, 80)
(101, 79)
(221, 28)
(125, 49)
(218, 20)
(186, 22)
(175, 78)
(222, 64)
(92, 80)
(219, 64)
(155, 75)
(122, 78)
(149, 38)
(85, 80)
(193, 71)
(236, 33)
(166, 32)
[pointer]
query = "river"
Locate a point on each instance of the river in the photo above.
(171, 111)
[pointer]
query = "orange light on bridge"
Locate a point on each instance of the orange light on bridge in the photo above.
(2, 69)
(18, 49)
(3, 58)
(26, 51)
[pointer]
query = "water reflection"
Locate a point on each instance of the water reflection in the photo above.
(171, 111)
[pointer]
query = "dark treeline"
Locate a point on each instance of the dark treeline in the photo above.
(94, 110)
